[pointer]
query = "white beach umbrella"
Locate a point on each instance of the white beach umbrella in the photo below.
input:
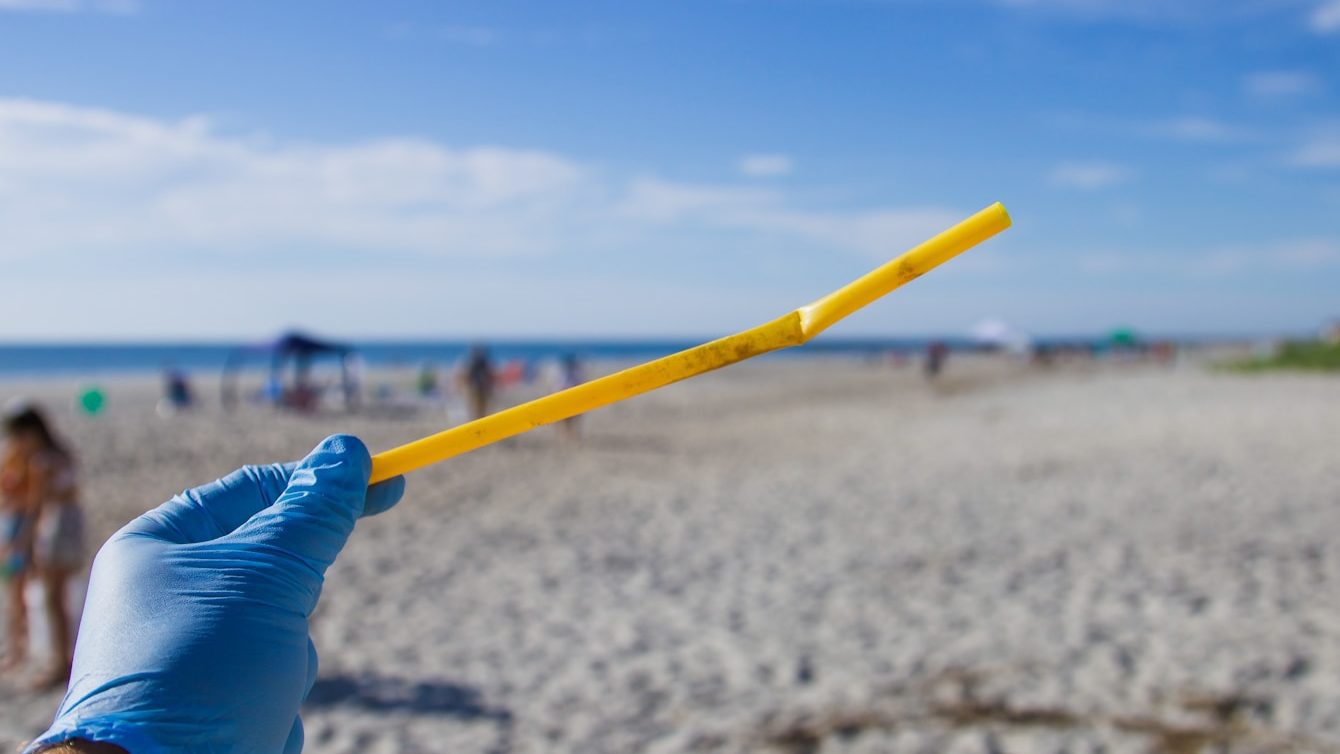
(995, 333)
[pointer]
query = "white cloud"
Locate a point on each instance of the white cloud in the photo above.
(1090, 175)
(83, 179)
(766, 165)
(1200, 129)
(1325, 18)
(1320, 16)
(77, 180)
(1155, 11)
(1296, 255)
(655, 200)
(1320, 150)
(1197, 129)
(1277, 84)
(879, 232)
(1120, 8)
(1082, 6)
(120, 7)
(1319, 153)
(1292, 255)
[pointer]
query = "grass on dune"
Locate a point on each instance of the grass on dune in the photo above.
(1312, 356)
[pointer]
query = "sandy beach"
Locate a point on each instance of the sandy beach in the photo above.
(810, 555)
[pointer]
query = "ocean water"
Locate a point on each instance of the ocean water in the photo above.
(95, 359)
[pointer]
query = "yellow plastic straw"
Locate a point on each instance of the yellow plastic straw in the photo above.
(792, 329)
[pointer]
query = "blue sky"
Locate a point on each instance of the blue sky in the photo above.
(184, 169)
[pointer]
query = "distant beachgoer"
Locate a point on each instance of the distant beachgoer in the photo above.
(570, 374)
(427, 381)
(479, 381)
(511, 374)
(44, 534)
(16, 553)
(936, 355)
(272, 392)
(305, 395)
(352, 371)
(177, 393)
(1164, 352)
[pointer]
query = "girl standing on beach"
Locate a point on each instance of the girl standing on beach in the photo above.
(43, 535)
(15, 554)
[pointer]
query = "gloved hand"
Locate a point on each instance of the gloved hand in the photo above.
(194, 636)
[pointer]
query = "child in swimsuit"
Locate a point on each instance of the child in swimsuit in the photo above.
(44, 534)
(15, 551)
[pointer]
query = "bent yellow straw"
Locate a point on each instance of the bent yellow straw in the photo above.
(791, 329)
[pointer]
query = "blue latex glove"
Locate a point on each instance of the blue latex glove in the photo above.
(194, 637)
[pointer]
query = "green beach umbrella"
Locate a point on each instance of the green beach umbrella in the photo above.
(1123, 336)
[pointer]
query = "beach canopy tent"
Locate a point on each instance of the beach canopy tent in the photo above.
(291, 355)
(994, 334)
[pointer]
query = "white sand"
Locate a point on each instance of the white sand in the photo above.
(822, 557)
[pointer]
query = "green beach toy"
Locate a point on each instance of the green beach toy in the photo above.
(92, 401)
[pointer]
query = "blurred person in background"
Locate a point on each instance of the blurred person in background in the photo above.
(177, 393)
(478, 377)
(15, 552)
(352, 371)
(570, 374)
(44, 535)
(426, 384)
(937, 353)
